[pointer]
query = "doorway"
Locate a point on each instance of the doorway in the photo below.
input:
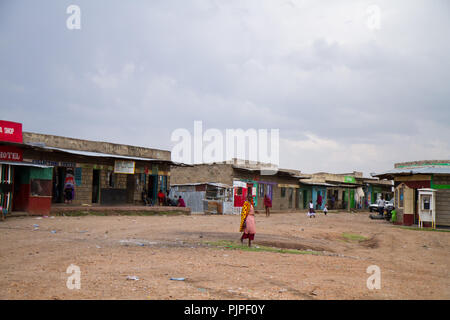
(96, 186)
(152, 187)
(59, 174)
(130, 188)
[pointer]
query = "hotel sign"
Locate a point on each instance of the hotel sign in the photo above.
(10, 153)
(10, 131)
(126, 167)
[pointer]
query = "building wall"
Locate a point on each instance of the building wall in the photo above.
(279, 202)
(218, 173)
(442, 200)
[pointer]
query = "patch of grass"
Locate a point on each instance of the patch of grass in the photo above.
(353, 237)
(234, 246)
(78, 213)
(423, 229)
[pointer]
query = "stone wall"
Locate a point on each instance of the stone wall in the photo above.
(95, 146)
(218, 173)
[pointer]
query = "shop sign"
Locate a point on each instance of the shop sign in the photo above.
(10, 153)
(349, 179)
(54, 163)
(11, 131)
(121, 166)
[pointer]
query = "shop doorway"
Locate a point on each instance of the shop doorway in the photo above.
(96, 186)
(130, 188)
(59, 174)
(153, 187)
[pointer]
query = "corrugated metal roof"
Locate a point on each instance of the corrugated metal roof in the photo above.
(216, 184)
(419, 170)
(25, 164)
(312, 183)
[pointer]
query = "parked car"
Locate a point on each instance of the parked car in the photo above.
(388, 205)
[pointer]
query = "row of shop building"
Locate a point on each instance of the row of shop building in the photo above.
(223, 187)
(37, 170)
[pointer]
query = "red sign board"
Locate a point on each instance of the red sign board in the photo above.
(10, 131)
(10, 153)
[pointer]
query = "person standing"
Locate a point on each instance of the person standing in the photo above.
(267, 205)
(319, 201)
(381, 204)
(161, 197)
(248, 225)
(325, 209)
(311, 212)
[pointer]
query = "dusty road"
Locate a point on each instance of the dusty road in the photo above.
(33, 263)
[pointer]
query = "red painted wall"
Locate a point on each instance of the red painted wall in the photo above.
(408, 219)
(39, 205)
(20, 199)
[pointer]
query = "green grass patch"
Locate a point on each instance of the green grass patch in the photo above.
(353, 237)
(423, 229)
(78, 213)
(257, 248)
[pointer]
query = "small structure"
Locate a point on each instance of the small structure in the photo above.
(210, 197)
(427, 207)
(411, 177)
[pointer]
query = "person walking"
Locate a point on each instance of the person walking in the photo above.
(325, 209)
(267, 205)
(311, 212)
(248, 225)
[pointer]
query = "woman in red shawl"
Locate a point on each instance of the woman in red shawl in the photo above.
(267, 204)
(248, 225)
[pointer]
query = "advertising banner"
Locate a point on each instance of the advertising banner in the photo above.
(121, 166)
(10, 131)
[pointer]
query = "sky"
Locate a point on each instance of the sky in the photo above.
(350, 85)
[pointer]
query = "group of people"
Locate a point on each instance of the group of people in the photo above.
(312, 212)
(165, 200)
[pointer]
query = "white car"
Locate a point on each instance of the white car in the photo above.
(387, 205)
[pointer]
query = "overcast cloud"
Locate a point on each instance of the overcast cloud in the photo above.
(344, 96)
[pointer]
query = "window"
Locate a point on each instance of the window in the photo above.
(239, 191)
(402, 190)
(283, 192)
(261, 190)
(111, 179)
(41, 188)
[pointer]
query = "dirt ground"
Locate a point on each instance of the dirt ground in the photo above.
(33, 263)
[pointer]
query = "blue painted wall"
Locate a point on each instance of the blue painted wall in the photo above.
(315, 192)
